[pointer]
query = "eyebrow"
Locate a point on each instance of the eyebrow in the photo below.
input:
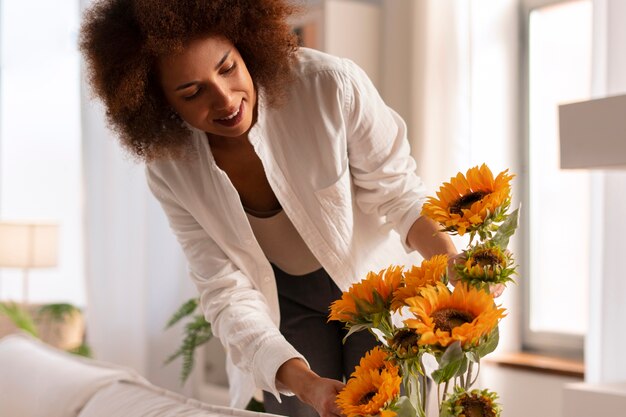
(219, 64)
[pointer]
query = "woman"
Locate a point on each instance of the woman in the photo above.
(283, 175)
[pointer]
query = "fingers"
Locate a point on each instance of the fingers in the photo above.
(333, 408)
(335, 411)
(496, 290)
(323, 395)
(338, 385)
(452, 275)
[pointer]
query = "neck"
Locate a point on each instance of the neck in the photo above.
(226, 143)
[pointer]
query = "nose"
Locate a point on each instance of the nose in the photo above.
(221, 97)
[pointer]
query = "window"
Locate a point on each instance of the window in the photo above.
(40, 152)
(558, 211)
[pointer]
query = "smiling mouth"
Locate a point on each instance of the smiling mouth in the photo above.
(232, 115)
(233, 118)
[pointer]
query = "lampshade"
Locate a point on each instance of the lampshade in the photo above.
(593, 133)
(28, 245)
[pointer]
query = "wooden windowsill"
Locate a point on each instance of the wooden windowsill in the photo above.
(539, 363)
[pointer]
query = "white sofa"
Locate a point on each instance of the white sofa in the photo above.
(37, 380)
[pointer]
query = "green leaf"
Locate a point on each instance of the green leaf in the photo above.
(183, 311)
(376, 319)
(58, 311)
(490, 344)
(452, 354)
(195, 337)
(196, 333)
(378, 299)
(462, 367)
(82, 350)
(472, 356)
(405, 408)
(506, 230)
(198, 323)
(451, 363)
(446, 412)
(20, 317)
(356, 328)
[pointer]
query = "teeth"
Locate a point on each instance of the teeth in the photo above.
(231, 116)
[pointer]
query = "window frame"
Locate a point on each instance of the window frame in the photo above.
(542, 342)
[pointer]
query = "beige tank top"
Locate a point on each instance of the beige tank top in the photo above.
(281, 242)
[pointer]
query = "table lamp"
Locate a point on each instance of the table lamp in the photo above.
(27, 245)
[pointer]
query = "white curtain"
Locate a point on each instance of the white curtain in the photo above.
(442, 95)
(426, 79)
(604, 358)
(135, 271)
(452, 70)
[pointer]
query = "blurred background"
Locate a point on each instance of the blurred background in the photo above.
(477, 81)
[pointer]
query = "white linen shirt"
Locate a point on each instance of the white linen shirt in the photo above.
(338, 160)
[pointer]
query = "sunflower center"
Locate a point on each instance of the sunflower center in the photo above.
(405, 341)
(476, 407)
(486, 258)
(367, 398)
(447, 319)
(466, 201)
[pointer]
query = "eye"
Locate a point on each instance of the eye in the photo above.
(230, 68)
(193, 95)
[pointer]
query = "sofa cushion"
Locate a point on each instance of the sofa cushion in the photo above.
(129, 399)
(38, 380)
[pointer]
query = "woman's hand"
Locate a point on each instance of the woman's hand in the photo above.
(321, 395)
(496, 290)
(453, 277)
(310, 388)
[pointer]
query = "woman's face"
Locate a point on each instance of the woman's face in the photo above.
(209, 86)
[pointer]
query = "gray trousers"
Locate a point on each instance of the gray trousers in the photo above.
(304, 307)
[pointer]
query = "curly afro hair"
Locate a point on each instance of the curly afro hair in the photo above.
(122, 40)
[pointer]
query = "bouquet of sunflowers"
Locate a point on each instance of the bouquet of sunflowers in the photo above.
(456, 326)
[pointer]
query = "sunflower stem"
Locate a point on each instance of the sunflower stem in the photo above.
(423, 372)
(439, 395)
(477, 373)
(406, 378)
(413, 373)
(468, 377)
(445, 390)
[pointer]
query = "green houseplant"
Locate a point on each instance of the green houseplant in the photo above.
(197, 332)
(45, 321)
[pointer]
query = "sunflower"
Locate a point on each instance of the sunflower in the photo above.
(468, 315)
(371, 393)
(475, 403)
(469, 202)
(430, 272)
(369, 297)
(404, 343)
(374, 360)
(486, 264)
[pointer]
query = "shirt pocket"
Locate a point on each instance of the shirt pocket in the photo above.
(336, 203)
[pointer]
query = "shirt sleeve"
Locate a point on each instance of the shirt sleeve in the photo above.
(381, 164)
(238, 312)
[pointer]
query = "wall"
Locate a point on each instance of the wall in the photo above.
(525, 393)
(352, 29)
